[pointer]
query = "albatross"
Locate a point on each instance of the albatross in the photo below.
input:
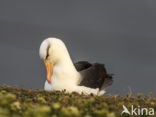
(62, 74)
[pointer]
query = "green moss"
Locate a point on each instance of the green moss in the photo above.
(101, 113)
(18, 102)
(139, 95)
(70, 112)
(15, 106)
(41, 111)
(56, 106)
(110, 115)
(4, 112)
(41, 100)
(6, 98)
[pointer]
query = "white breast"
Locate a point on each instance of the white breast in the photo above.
(47, 86)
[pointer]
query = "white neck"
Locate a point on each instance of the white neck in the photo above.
(64, 70)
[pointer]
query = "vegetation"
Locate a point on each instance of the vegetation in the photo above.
(18, 102)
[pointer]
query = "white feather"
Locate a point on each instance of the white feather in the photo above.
(47, 86)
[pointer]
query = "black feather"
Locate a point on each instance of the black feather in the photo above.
(93, 75)
(82, 65)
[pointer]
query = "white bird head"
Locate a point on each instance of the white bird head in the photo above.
(54, 52)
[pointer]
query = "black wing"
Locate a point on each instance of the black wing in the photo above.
(94, 75)
(82, 65)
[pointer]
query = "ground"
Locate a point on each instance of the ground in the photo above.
(18, 102)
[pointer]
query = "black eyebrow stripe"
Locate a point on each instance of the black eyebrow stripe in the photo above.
(47, 51)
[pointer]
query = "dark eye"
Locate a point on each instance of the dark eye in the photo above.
(47, 51)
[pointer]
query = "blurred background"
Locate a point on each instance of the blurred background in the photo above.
(120, 34)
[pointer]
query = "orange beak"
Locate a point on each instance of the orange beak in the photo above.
(49, 68)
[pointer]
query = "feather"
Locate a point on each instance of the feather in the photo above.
(93, 75)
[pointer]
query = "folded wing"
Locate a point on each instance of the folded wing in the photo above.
(93, 75)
